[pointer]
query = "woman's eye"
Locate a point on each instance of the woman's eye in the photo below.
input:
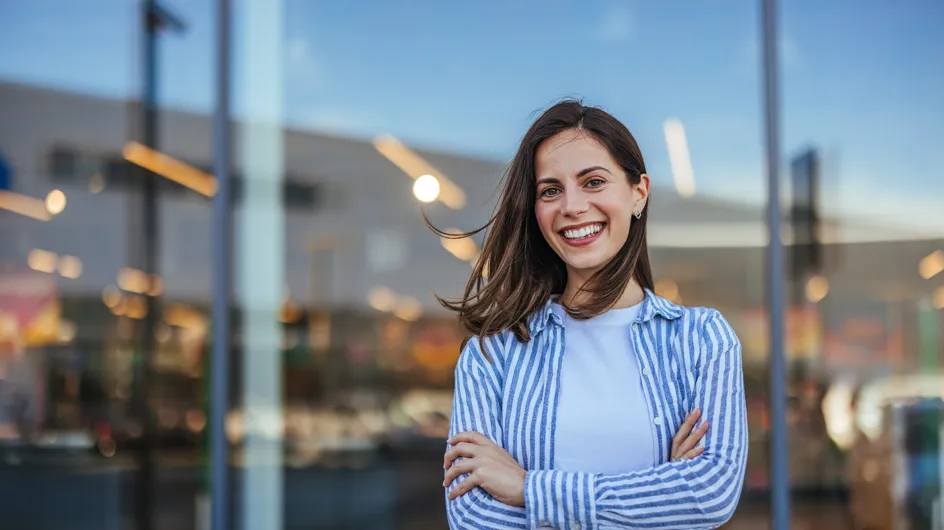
(550, 192)
(595, 182)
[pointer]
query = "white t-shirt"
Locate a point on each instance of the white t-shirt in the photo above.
(603, 421)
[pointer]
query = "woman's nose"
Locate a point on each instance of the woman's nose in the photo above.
(574, 203)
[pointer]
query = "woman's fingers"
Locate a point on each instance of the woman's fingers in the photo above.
(464, 449)
(464, 487)
(457, 469)
(690, 442)
(470, 437)
(684, 430)
(465, 441)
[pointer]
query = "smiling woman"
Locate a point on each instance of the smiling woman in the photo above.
(577, 399)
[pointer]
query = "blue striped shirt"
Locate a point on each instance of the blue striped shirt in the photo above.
(689, 357)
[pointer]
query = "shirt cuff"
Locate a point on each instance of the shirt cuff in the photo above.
(560, 499)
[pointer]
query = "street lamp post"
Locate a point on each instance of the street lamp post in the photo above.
(779, 450)
(155, 19)
(222, 276)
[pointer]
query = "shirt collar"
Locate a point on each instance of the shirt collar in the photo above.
(652, 305)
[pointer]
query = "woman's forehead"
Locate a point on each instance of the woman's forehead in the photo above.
(566, 156)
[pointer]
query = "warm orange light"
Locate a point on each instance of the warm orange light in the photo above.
(23, 205)
(289, 313)
(185, 317)
(464, 248)
(408, 308)
(817, 288)
(415, 166)
(133, 280)
(381, 298)
(157, 286)
(679, 157)
(111, 296)
(931, 265)
(137, 307)
(42, 260)
(55, 202)
(171, 168)
(70, 267)
(426, 188)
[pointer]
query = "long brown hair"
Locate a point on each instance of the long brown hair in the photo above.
(517, 271)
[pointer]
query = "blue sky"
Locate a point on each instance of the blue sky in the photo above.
(861, 79)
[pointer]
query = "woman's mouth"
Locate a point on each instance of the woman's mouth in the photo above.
(583, 234)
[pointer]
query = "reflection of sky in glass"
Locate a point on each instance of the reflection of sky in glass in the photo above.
(862, 80)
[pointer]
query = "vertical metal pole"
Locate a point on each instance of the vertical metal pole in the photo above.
(145, 490)
(779, 476)
(222, 277)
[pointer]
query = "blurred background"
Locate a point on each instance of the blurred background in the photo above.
(350, 120)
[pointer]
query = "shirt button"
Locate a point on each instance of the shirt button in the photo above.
(657, 420)
(645, 372)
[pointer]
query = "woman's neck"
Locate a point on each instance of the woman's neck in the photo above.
(632, 295)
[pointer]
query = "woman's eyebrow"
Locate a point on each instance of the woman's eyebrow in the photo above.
(583, 172)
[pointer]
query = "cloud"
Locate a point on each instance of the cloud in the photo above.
(617, 24)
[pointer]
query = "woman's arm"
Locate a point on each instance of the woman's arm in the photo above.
(685, 494)
(477, 407)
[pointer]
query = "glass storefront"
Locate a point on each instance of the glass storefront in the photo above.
(861, 113)
(342, 359)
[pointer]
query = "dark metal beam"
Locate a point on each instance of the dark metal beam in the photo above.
(222, 276)
(779, 450)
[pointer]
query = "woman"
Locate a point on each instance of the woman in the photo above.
(577, 376)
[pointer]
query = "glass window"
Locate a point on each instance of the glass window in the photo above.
(342, 358)
(84, 307)
(862, 117)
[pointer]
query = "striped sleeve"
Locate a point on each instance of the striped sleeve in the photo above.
(477, 407)
(698, 493)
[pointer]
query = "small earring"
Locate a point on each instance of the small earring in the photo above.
(638, 214)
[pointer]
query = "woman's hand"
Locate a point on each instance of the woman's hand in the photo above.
(489, 465)
(688, 436)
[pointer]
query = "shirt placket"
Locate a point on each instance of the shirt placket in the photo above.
(649, 382)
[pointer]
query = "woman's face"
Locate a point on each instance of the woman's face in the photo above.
(584, 203)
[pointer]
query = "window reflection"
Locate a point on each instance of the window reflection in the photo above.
(384, 122)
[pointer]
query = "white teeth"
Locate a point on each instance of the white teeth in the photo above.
(583, 232)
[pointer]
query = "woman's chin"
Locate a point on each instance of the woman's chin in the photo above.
(584, 264)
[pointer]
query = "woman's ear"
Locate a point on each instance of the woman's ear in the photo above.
(641, 193)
